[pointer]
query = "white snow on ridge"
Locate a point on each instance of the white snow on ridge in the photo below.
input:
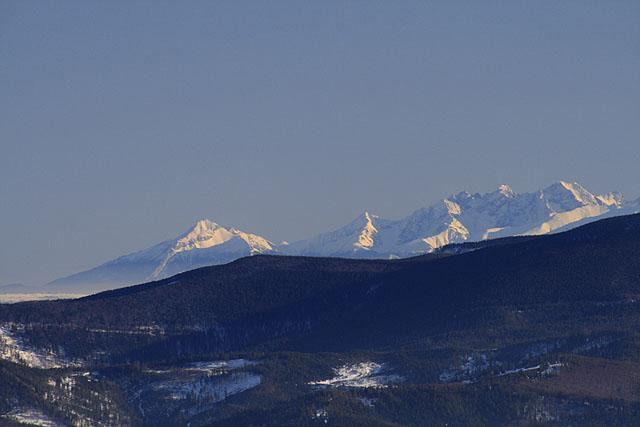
(220, 366)
(210, 381)
(14, 350)
(206, 243)
(463, 217)
(212, 391)
(477, 365)
(366, 237)
(208, 367)
(364, 375)
(454, 232)
(30, 417)
(560, 219)
(207, 234)
(550, 369)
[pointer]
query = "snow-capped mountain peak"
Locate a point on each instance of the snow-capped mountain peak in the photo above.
(360, 235)
(204, 234)
(207, 233)
(463, 217)
(506, 190)
(564, 193)
(455, 219)
(205, 243)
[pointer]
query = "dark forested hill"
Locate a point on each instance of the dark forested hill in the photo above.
(475, 313)
(598, 262)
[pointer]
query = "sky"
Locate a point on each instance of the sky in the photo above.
(123, 122)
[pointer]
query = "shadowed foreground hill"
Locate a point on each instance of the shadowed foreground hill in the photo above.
(503, 332)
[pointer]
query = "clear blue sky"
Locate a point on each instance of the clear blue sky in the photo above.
(122, 122)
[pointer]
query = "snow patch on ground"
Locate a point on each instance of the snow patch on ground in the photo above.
(368, 402)
(219, 366)
(364, 374)
(152, 330)
(552, 368)
(549, 369)
(204, 388)
(475, 366)
(195, 387)
(320, 415)
(472, 365)
(15, 350)
(215, 367)
(30, 417)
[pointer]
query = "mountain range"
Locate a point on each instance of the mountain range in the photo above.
(459, 218)
(533, 330)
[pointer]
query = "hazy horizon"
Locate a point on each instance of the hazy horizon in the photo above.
(124, 123)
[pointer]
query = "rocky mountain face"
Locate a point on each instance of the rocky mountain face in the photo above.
(459, 218)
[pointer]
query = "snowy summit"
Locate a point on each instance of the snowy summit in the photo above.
(458, 218)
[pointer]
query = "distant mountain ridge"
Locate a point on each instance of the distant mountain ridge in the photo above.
(462, 217)
(204, 244)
